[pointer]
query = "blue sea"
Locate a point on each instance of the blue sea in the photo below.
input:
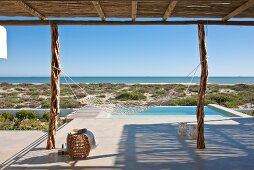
(132, 80)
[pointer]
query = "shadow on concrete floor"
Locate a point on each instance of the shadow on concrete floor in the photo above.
(27, 149)
(158, 146)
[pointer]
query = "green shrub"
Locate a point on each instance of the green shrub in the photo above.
(13, 94)
(30, 125)
(45, 117)
(246, 97)
(220, 98)
(190, 101)
(19, 89)
(6, 86)
(242, 87)
(7, 103)
(45, 103)
(25, 114)
(180, 89)
(232, 104)
(66, 91)
(227, 100)
(194, 88)
(6, 116)
(209, 101)
(131, 96)
(167, 103)
(250, 113)
(18, 106)
(33, 105)
(6, 125)
(69, 103)
(34, 93)
(26, 124)
(46, 92)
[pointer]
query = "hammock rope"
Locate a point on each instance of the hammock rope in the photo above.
(109, 106)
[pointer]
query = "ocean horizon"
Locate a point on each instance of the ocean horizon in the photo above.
(132, 80)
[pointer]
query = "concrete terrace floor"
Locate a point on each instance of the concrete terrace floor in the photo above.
(148, 143)
(11, 142)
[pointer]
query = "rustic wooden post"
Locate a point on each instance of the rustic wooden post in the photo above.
(55, 87)
(202, 88)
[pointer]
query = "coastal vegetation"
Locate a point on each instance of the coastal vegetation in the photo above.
(131, 96)
(250, 113)
(24, 120)
(38, 95)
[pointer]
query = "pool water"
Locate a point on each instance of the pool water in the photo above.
(182, 111)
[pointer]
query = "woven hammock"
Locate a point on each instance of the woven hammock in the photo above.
(111, 107)
(120, 109)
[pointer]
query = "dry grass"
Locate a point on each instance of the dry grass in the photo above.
(38, 96)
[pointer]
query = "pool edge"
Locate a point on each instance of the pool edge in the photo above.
(228, 110)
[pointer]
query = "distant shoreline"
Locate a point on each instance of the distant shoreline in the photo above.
(131, 80)
(185, 84)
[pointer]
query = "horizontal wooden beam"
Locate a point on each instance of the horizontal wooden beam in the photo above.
(238, 10)
(30, 9)
(99, 10)
(101, 23)
(134, 10)
(217, 1)
(169, 10)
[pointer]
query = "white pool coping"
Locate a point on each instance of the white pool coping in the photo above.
(228, 110)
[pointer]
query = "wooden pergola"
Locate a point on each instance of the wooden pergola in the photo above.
(126, 12)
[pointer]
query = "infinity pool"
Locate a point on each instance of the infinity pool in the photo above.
(181, 111)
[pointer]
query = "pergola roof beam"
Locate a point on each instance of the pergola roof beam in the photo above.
(99, 10)
(82, 22)
(30, 10)
(238, 10)
(169, 10)
(134, 7)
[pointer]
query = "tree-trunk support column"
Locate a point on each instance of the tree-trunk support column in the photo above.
(55, 87)
(202, 88)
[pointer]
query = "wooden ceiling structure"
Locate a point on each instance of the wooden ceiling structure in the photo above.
(126, 12)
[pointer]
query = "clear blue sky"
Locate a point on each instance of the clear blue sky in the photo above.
(129, 51)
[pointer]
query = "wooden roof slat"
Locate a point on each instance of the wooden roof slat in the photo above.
(134, 10)
(99, 10)
(30, 9)
(169, 10)
(117, 9)
(240, 9)
(85, 22)
(208, 9)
